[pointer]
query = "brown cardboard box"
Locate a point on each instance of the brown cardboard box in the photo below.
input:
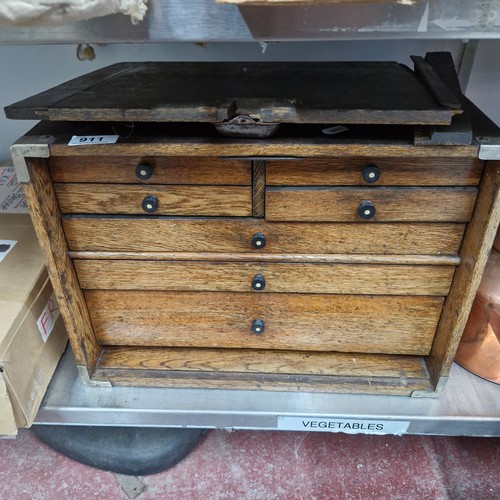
(27, 361)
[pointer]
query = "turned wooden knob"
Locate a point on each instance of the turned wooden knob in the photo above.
(366, 210)
(371, 173)
(144, 171)
(258, 282)
(258, 240)
(150, 204)
(258, 326)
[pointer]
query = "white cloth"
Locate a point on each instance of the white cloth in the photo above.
(56, 12)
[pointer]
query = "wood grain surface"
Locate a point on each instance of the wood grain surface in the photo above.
(327, 92)
(172, 200)
(263, 361)
(430, 260)
(263, 370)
(46, 219)
(391, 204)
(259, 382)
(190, 145)
(226, 235)
(478, 241)
(259, 188)
(166, 170)
(393, 172)
(24, 109)
(316, 322)
(237, 277)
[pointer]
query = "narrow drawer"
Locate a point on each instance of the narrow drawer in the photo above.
(370, 204)
(115, 234)
(155, 170)
(375, 171)
(154, 199)
(317, 322)
(264, 277)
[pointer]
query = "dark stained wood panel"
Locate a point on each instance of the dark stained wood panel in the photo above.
(259, 188)
(35, 107)
(393, 172)
(226, 235)
(309, 322)
(172, 200)
(166, 170)
(279, 278)
(391, 204)
(326, 92)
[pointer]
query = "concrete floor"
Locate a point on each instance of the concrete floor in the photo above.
(271, 465)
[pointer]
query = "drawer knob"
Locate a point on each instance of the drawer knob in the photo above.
(258, 240)
(150, 204)
(371, 174)
(366, 210)
(144, 171)
(258, 282)
(258, 326)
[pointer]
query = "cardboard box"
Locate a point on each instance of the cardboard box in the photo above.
(32, 335)
(12, 198)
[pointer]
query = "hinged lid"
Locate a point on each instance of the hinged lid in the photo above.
(332, 92)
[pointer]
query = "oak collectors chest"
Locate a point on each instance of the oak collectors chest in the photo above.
(319, 258)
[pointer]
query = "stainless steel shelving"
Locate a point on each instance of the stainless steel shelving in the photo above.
(207, 21)
(468, 406)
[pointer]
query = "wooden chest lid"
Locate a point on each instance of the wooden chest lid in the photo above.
(284, 92)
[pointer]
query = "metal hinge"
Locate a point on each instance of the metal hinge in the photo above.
(29, 147)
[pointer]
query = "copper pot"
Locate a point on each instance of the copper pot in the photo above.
(479, 349)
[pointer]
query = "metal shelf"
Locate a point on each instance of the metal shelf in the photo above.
(207, 21)
(467, 406)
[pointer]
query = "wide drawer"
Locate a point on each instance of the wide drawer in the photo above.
(166, 200)
(317, 322)
(145, 234)
(264, 277)
(370, 204)
(375, 171)
(162, 170)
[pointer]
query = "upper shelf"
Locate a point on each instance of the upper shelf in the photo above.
(208, 21)
(310, 2)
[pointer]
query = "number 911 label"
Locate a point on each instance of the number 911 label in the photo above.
(92, 140)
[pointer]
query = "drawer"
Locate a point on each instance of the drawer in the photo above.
(145, 234)
(156, 170)
(375, 171)
(156, 199)
(382, 204)
(264, 277)
(316, 322)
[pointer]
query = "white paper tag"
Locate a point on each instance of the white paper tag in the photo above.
(337, 129)
(349, 426)
(92, 140)
(48, 318)
(5, 247)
